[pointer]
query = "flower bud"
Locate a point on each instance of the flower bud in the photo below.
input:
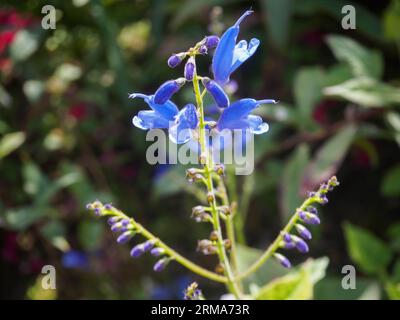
(125, 237)
(218, 94)
(210, 197)
(116, 227)
(167, 90)
(190, 69)
(303, 231)
(203, 49)
(125, 222)
(175, 59)
(156, 252)
(113, 220)
(301, 245)
(227, 244)
(211, 41)
(108, 206)
(213, 236)
(219, 268)
(220, 169)
(283, 260)
(161, 264)
(148, 245)
(206, 247)
(137, 250)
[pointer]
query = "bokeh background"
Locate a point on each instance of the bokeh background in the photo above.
(66, 139)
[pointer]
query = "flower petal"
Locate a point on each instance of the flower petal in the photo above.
(168, 110)
(242, 52)
(223, 56)
(256, 124)
(146, 120)
(185, 122)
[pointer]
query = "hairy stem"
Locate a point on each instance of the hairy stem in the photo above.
(208, 170)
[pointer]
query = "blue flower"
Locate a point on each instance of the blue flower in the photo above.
(75, 259)
(167, 116)
(237, 116)
(228, 55)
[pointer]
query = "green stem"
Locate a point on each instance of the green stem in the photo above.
(275, 245)
(208, 170)
(171, 252)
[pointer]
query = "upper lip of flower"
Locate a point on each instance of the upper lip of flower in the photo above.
(228, 55)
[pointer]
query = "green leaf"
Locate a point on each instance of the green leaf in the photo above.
(372, 292)
(308, 84)
(370, 253)
(294, 286)
(363, 62)
(291, 180)
(10, 142)
(391, 21)
(89, 234)
(393, 120)
(391, 182)
(328, 158)
(277, 15)
(366, 92)
(270, 270)
(393, 290)
(21, 218)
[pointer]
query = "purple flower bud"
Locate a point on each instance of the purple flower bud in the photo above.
(303, 215)
(311, 194)
(116, 227)
(167, 90)
(214, 89)
(287, 237)
(125, 222)
(190, 68)
(148, 245)
(312, 210)
(313, 219)
(125, 237)
(97, 212)
(112, 220)
(175, 60)
(137, 251)
(303, 232)
(108, 206)
(283, 260)
(160, 265)
(157, 252)
(301, 245)
(288, 245)
(323, 199)
(211, 42)
(89, 206)
(203, 49)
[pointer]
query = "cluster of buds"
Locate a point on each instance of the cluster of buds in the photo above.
(194, 174)
(201, 47)
(126, 230)
(199, 214)
(193, 292)
(307, 214)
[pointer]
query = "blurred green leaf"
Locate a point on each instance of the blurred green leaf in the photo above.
(370, 253)
(330, 288)
(277, 15)
(364, 62)
(170, 182)
(21, 218)
(308, 84)
(328, 158)
(89, 234)
(270, 270)
(391, 182)
(291, 180)
(10, 142)
(393, 290)
(391, 21)
(55, 231)
(365, 91)
(24, 45)
(393, 120)
(372, 292)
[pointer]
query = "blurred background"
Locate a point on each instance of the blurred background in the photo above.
(66, 139)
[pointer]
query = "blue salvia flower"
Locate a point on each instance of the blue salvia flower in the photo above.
(176, 59)
(237, 116)
(211, 41)
(167, 116)
(229, 56)
(190, 68)
(218, 94)
(167, 90)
